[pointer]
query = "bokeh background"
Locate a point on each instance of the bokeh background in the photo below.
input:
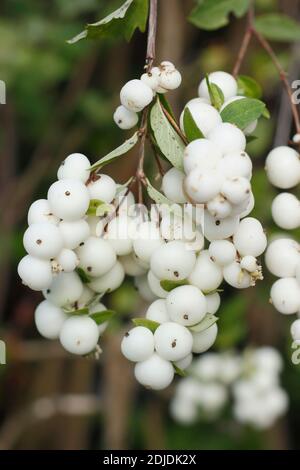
(60, 99)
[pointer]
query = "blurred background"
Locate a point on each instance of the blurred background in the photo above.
(60, 99)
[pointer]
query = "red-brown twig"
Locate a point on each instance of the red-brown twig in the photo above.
(245, 42)
(174, 124)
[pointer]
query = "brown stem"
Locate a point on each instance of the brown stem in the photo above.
(245, 42)
(282, 74)
(152, 26)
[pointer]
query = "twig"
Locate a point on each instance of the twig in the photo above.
(174, 124)
(152, 27)
(245, 42)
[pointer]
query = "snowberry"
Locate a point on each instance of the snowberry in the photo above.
(135, 95)
(202, 186)
(223, 252)
(68, 199)
(131, 265)
(155, 286)
(296, 138)
(236, 164)
(286, 211)
(244, 209)
(79, 335)
(219, 207)
(177, 227)
(172, 341)
(96, 256)
(236, 277)
(206, 275)
(118, 235)
(185, 362)
(228, 138)
(147, 240)
(157, 311)
(155, 373)
(282, 257)
(268, 359)
(35, 273)
(249, 263)
(208, 367)
(151, 79)
(76, 166)
(202, 154)
(67, 260)
(283, 167)
(142, 286)
(236, 189)
(295, 330)
(203, 340)
(172, 185)
(40, 211)
(186, 305)
(172, 261)
(86, 296)
(49, 319)
(66, 289)
(74, 233)
(285, 295)
(218, 229)
(226, 82)
(124, 118)
(213, 302)
(103, 189)
(206, 117)
(138, 344)
(109, 281)
(43, 240)
(169, 78)
(249, 238)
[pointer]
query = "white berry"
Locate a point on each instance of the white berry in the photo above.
(79, 335)
(124, 118)
(155, 373)
(172, 341)
(138, 344)
(135, 95)
(49, 319)
(186, 305)
(68, 199)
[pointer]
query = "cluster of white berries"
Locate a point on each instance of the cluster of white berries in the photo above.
(251, 378)
(138, 93)
(283, 171)
(61, 240)
(283, 253)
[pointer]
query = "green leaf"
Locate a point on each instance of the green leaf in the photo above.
(278, 27)
(249, 87)
(213, 14)
(243, 112)
(121, 150)
(94, 203)
(165, 103)
(167, 139)
(266, 113)
(103, 316)
(159, 198)
(120, 23)
(150, 324)
(191, 129)
(170, 285)
(80, 311)
(85, 278)
(179, 371)
(207, 321)
(215, 94)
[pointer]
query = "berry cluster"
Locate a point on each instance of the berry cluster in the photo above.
(283, 254)
(138, 93)
(252, 378)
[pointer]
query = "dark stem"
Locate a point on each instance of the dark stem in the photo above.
(245, 42)
(152, 26)
(174, 124)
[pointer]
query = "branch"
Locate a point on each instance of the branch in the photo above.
(245, 42)
(152, 27)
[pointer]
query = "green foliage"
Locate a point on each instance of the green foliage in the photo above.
(85, 278)
(95, 205)
(150, 324)
(215, 94)
(118, 152)
(278, 27)
(191, 129)
(120, 23)
(213, 14)
(80, 311)
(207, 321)
(243, 112)
(159, 198)
(103, 316)
(249, 87)
(167, 139)
(232, 322)
(170, 285)
(179, 371)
